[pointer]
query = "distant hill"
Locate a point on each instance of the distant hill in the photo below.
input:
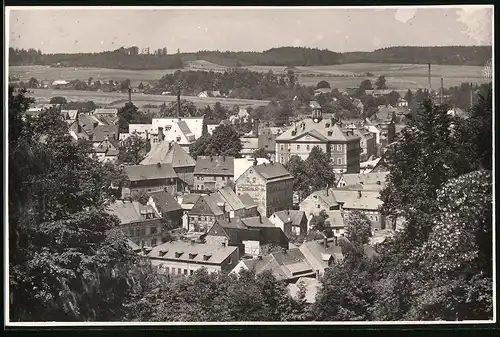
(129, 58)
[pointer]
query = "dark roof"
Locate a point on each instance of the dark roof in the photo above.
(217, 254)
(190, 198)
(164, 201)
(169, 153)
(86, 123)
(149, 172)
(206, 205)
(294, 216)
(231, 198)
(247, 201)
(216, 165)
(257, 221)
(272, 171)
(101, 132)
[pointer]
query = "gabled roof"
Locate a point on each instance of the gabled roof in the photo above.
(293, 216)
(70, 114)
(102, 132)
(87, 124)
(164, 201)
(207, 205)
(335, 219)
(242, 164)
(272, 171)
(172, 153)
(328, 129)
(364, 180)
(186, 131)
(231, 198)
(363, 200)
(190, 198)
(318, 255)
(149, 172)
(130, 212)
(257, 222)
(190, 252)
(326, 196)
(216, 165)
(247, 201)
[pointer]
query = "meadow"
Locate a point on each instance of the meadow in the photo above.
(399, 76)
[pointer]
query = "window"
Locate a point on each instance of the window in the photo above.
(339, 147)
(339, 161)
(202, 178)
(308, 147)
(298, 146)
(197, 177)
(254, 179)
(153, 242)
(185, 271)
(281, 147)
(230, 260)
(154, 230)
(281, 159)
(178, 138)
(318, 206)
(191, 272)
(337, 230)
(179, 271)
(167, 270)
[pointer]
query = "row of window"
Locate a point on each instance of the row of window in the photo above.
(179, 271)
(201, 218)
(223, 178)
(142, 231)
(155, 139)
(339, 147)
(152, 242)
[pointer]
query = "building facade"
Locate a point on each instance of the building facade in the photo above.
(149, 178)
(212, 173)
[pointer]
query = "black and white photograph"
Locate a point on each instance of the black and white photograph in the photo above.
(249, 165)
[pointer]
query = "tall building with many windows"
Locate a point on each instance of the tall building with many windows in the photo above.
(343, 145)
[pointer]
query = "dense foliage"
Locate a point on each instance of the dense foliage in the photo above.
(131, 58)
(224, 141)
(133, 150)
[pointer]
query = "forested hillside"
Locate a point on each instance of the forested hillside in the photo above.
(131, 58)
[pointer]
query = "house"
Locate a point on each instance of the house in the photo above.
(141, 223)
(110, 113)
(69, 115)
(335, 221)
(242, 164)
(291, 222)
(270, 185)
(187, 202)
(183, 130)
(168, 208)
(321, 254)
(250, 205)
(172, 153)
(318, 201)
(60, 84)
(203, 94)
(367, 181)
(107, 150)
(148, 178)
(402, 102)
(320, 91)
(204, 213)
(340, 143)
(142, 130)
(267, 140)
(250, 145)
(367, 143)
(287, 265)
(311, 287)
(234, 205)
(184, 258)
(359, 106)
(254, 236)
(213, 172)
(457, 112)
(105, 132)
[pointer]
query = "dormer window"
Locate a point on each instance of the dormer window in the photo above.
(192, 255)
(178, 254)
(206, 257)
(162, 252)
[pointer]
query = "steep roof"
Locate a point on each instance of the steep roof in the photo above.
(190, 252)
(101, 132)
(249, 143)
(129, 212)
(272, 171)
(335, 219)
(364, 180)
(216, 165)
(247, 201)
(257, 221)
(317, 255)
(242, 164)
(231, 198)
(206, 205)
(293, 216)
(172, 153)
(364, 200)
(149, 172)
(326, 196)
(326, 130)
(164, 201)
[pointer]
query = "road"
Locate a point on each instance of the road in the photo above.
(44, 95)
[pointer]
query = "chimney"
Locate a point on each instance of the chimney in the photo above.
(169, 146)
(161, 136)
(429, 77)
(442, 89)
(325, 243)
(129, 94)
(255, 162)
(179, 102)
(359, 194)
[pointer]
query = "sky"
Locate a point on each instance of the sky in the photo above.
(66, 30)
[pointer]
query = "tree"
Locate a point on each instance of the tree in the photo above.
(187, 109)
(224, 141)
(409, 96)
(89, 82)
(358, 230)
(322, 84)
(126, 114)
(125, 85)
(33, 83)
(318, 222)
(393, 97)
(381, 83)
(319, 169)
(58, 100)
(297, 168)
(67, 261)
(140, 86)
(199, 147)
(366, 85)
(134, 150)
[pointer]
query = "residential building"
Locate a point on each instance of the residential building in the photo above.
(335, 221)
(142, 130)
(242, 164)
(367, 181)
(168, 207)
(60, 84)
(250, 145)
(322, 200)
(291, 222)
(172, 153)
(367, 143)
(359, 106)
(184, 258)
(106, 112)
(190, 126)
(287, 265)
(233, 204)
(105, 132)
(270, 185)
(340, 143)
(402, 102)
(148, 178)
(321, 254)
(320, 91)
(107, 150)
(204, 213)
(212, 173)
(251, 207)
(267, 140)
(141, 223)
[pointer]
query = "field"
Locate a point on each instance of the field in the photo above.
(114, 99)
(399, 76)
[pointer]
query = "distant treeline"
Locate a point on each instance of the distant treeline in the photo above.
(130, 58)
